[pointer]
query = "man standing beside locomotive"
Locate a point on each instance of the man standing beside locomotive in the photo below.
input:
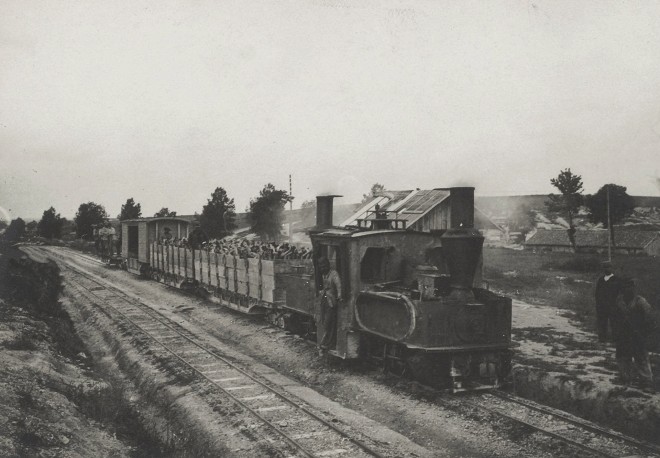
(607, 290)
(330, 298)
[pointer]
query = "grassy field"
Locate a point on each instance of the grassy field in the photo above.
(565, 280)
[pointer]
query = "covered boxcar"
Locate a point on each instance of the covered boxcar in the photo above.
(138, 235)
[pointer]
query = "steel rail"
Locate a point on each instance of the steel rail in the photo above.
(285, 436)
(159, 318)
(565, 439)
(559, 437)
(643, 445)
(81, 255)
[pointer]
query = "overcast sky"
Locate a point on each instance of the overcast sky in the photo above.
(163, 101)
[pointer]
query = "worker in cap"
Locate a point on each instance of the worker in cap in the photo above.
(606, 292)
(330, 298)
(632, 324)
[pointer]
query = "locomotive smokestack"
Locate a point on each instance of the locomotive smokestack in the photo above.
(462, 249)
(462, 244)
(461, 204)
(324, 211)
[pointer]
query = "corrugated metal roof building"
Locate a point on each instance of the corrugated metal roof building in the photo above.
(419, 210)
(626, 242)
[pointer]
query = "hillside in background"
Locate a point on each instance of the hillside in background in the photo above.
(506, 208)
(498, 205)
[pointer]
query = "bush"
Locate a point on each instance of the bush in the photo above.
(36, 283)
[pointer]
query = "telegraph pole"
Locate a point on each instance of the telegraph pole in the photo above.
(609, 228)
(290, 210)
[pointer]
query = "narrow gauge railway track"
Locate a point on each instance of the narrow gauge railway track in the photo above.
(615, 436)
(84, 256)
(573, 431)
(307, 433)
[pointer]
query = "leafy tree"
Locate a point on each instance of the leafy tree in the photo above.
(265, 212)
(130, 210)
(31, 226)
(68, 227)
(3, 224)
(164, 212)
(217, 218)
(88, 214)
(197, 237)
(15, 230)
(376, 188)
(569, 201)
(51, 224)
(621, 206)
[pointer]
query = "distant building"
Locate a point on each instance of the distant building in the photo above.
(626, 242)
(420, 210)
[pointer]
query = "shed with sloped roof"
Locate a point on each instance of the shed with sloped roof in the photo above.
(596, 241)
(417, 210)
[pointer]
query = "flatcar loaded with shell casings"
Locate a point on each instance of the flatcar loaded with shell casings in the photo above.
(411, 300)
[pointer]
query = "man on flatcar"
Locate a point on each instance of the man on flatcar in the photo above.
(607, 291)
(330, 299)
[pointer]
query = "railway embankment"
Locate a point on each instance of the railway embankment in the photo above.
(77, 383)
(628, 410)
(165, 405)
(165, 398)
(52, 400)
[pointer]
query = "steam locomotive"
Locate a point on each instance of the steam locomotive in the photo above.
(411, 300)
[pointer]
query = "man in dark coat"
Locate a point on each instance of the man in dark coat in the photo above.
(632, 322)
(607, 290)
(330, 298)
